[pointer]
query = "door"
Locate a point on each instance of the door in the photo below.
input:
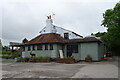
(69, 50)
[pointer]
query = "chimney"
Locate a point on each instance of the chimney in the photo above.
(49, 25)
(49, 17)
(49, 21)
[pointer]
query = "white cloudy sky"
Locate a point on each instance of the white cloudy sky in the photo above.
(25, 18)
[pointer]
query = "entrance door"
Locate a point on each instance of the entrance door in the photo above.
(69, 50)
(73, 48)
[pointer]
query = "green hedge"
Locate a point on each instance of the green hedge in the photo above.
(8, 56)
(40, 58)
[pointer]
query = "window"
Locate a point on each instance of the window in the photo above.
(75, 48)
(39, 47)
(51, 46)
(54, 27)
(72, 48)
(29, 48)
(66, 35)
(23, 48)
(33, 47)
(46, 47)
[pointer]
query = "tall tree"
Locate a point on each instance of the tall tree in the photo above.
(99, 34)
(112, 22)
(24, 40)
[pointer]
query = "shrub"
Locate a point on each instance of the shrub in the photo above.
(23, 58)
(40, 58)
(46, 58)
(72, 57)
(88, 56)
(6, 56)
(58, 56)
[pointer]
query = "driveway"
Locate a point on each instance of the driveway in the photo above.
(56, 70)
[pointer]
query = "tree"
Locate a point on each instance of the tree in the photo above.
(5, 48)
(112, 22)
(24, 40)
(99, 34)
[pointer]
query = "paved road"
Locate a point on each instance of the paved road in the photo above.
(97, 71)
(56, 70)
(39, 70)
(104, 69)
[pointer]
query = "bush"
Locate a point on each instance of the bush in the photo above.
(39, 59)
(72, 57)
(88, 56)
(9, 56)
(18, 59)
(24, 59)
(5, 52)
(46, 58)
(6, 56)
(65, 60)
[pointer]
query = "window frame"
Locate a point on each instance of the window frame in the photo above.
(51, 46)
(75, 48)
(29, 47)
(23, 48)
(33, 47)
(39, 47)
(66, 35)
(46, 46)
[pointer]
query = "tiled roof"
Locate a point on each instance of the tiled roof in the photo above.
(90, 39)
(46, 38)
(56, 38)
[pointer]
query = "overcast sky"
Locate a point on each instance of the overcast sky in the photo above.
(25, 18)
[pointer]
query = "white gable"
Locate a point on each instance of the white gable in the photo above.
(50, 28)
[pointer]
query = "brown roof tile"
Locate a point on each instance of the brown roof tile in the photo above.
(56, 38)
(90, 39)
(46, 38)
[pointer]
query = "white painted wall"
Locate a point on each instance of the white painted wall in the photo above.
(50, 28)
(91, 49)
